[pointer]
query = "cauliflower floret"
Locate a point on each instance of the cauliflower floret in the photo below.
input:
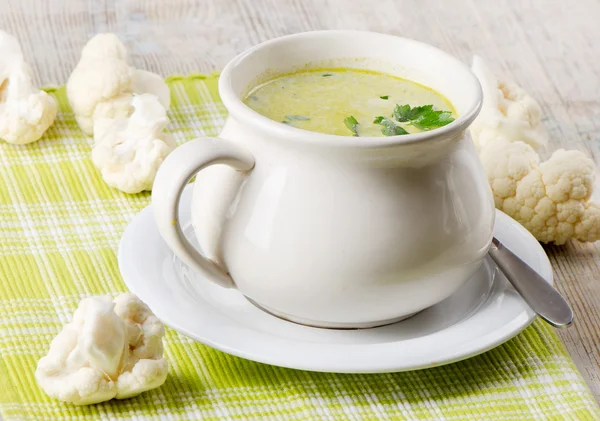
(508, 112)
(25, 112)
(102, 75)
(104, 353)
(550, 199)
(128, 151)
(506, 164)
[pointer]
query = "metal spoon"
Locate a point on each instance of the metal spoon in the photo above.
(541, 296)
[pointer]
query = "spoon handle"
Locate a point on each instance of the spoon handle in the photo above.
(540, 295)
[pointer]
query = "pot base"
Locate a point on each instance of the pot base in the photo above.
(327, 325)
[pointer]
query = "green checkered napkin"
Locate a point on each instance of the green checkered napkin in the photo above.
(59, 230)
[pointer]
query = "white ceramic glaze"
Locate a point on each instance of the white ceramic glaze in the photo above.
(484, 312)
(331, 230)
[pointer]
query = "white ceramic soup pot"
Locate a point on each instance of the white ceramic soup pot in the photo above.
(325, 230)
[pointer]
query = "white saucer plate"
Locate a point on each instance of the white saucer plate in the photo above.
(485, 312)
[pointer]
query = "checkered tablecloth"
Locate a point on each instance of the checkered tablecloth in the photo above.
(60, 226)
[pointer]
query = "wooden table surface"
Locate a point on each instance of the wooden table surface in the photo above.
(550, 47)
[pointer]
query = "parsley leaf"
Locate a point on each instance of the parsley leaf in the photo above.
(327, 74)
(405, 113)
(352, 124)
(423, 117)
(384, 96)
(433, 120)
(390, 128)
(297, 117)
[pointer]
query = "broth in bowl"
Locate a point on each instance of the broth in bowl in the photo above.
(351, 102)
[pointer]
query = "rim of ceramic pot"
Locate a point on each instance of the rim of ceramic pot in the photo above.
(232, 98)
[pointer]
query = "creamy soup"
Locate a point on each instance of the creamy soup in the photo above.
(350, 102)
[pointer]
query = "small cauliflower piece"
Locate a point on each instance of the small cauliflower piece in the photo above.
(86, 356)
(25, 112)
(508, 112)
(128, 151)
(551, 199)
(110, 349)
(102, 80)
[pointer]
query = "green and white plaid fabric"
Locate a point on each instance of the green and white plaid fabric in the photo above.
(60, 226)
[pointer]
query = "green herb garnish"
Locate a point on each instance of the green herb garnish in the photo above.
(434, 120)
(404, 113)
(297, 118)
(352, 124)
(327, 74)
(253, 97)
(423, 117)
(384, 97)
(390, 127)
(285, 122)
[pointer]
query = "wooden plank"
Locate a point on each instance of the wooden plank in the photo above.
(548, 46)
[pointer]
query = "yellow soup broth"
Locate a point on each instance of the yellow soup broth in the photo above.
(330, 101)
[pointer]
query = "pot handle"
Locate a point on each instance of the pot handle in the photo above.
(175, 172)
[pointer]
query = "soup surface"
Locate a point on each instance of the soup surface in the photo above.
(350, 102)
